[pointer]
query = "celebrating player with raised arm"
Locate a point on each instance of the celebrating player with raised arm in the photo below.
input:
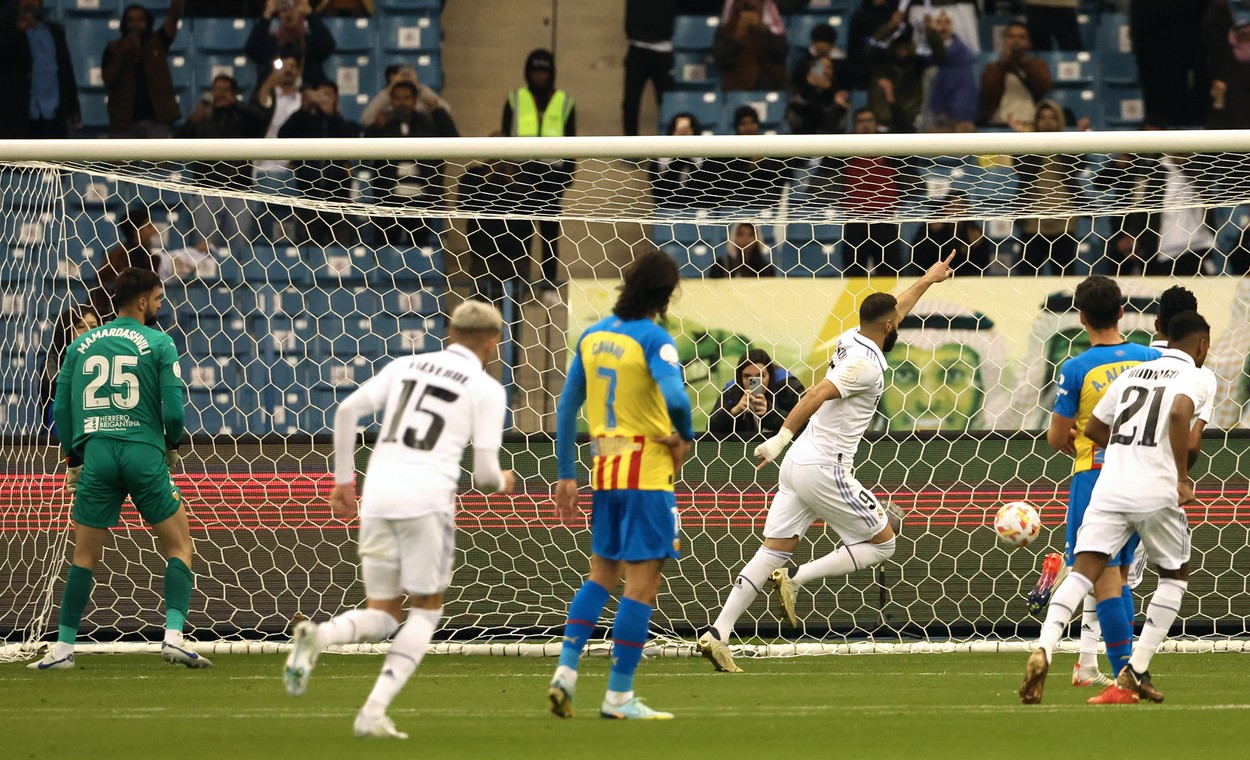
(1144, 423)
(119, 412)
(1083, 380)
(626, 371)
(816, 480)
(436, 404)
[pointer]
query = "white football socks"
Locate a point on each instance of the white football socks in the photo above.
(356, 626)
(746, 586)
(1165, 604)
(1091, 633)
(844, 561)
(1062, 606)
(407, 649)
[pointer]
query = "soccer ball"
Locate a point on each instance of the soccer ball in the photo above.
(1017, 524)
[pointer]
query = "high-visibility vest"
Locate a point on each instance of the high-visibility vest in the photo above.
(525, 119)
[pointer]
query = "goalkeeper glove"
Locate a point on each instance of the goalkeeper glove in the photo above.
(172, 458)
(770, 449)
(72, 474)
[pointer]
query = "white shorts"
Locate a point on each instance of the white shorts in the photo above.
(1138, 568)
(411, 556)
(1164, 534)
(806, 493)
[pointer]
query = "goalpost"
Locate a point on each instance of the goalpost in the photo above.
(315, 275)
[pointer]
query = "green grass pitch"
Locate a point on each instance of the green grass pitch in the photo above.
(881, 706)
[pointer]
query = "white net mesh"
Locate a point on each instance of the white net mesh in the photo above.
(287, 290)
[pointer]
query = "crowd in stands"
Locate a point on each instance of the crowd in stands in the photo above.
(882, 66)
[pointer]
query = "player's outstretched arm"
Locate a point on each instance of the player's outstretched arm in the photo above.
(811, 400)
(367, 399)
(571, 399)
(488, 421)
(939, 272)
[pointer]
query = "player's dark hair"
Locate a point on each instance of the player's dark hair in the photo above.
(234, 83)
(1185, 324)
(875, 307)
(695, 126)
(1100, 300)
(1173, 301)
(136, 216)
(131, 283)
(404, 85)
(824, 33)
(648, 285)
(147, 16)
(744, 112)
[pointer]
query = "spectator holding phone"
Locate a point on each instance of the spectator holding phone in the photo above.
(295, 32)
(757, 402)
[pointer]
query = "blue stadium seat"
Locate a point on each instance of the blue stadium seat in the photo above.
(1115, 52)
(839, 7)
(694, 32)
(706, 107)
(1082, 104)
(33, 188)
(220, 35)
(355, 74)
(205, 373)
(210, 334)
(345, 302)
(1122, 107)
(410, 335)
(1070, 69)
(90, 235)
(408, 34)
(279, 266)
(428, 65)
(430, 7)
(809, 249)
(343, 337)
(87, 38)
(411, 301)
(1087, 26)
(686, 233)
(352, 35)
(770, 105)
(194, 299)
(334, 265)
(693, 260)
(210, 66)
(19, 412)
(287, 301)
(283, 336)
(695, 71)
(223, 410)
(183, 75)
(394, 266)
(74, 9)
(95, 113)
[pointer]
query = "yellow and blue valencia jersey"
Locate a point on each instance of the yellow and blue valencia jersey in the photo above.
(1083, 380)
(621, 368)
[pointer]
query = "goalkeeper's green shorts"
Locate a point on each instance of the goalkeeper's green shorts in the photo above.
(114, 469)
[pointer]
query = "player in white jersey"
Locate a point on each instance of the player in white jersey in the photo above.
(1144, 422)
(435, 404)
(816, 481)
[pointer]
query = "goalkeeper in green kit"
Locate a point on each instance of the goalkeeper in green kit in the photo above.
(119, 413)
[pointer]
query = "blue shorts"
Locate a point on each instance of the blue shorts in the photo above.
(1078, 500)
(634, 526)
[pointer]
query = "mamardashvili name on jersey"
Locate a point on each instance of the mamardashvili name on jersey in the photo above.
(625, 408)
(1083, 380)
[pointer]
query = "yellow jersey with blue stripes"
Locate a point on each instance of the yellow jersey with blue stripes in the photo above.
(623, 361)
(1083, 381)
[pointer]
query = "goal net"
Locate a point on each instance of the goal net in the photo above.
(295, 268)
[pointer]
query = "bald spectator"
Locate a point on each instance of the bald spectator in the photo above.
(1012, 86)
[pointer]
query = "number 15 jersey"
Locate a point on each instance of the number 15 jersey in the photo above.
(436, 404)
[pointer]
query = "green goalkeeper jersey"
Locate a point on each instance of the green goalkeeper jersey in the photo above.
(120, 381)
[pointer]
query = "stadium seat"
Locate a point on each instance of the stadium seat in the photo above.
(770, 105)
(693, 261)
(345, 302)
(408, 34)
(410, 335)
(694, 32)
(1117, 65)
(19, 412)
(333, 265)
(182, 39)
(1070, 69)
(221, 35)
(280, 266)
(193, 298)
(991, 28)
(394, 266)
(431, 7)
(74, 9)
(209, 334)
(808, 249)
(183, 75)
(406, 302)
(839, 7)
(35, 188)
(695, 71)
(355, 74)
(428, 65)
(1122, 107)
(1087, 26)
(706, 107)
(221, 411)
(685, 233)
(283, 336)
(347, 336)
(157, 7)
(210, 66)
(352, 35)
(1082, 104)
(87, 38)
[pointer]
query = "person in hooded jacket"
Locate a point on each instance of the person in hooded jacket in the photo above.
(540, 110)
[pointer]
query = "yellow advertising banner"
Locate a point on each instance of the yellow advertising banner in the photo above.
(978, 353)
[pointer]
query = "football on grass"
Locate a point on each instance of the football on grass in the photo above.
(1017, 524)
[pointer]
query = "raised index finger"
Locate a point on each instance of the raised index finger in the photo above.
(951, 257)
